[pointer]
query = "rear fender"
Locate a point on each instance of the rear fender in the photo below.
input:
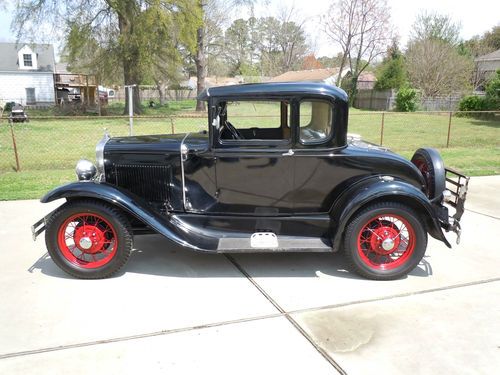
(376, 189)
(167, 225)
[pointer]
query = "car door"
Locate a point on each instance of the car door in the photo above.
(316, 159)
(254, 173)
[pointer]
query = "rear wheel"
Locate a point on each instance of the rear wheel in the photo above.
(88, 239)
(385, 241)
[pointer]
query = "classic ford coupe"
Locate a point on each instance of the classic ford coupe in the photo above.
(288, 179)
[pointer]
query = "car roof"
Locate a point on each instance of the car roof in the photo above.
(275, 89)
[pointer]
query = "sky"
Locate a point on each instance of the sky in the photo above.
(475, 17)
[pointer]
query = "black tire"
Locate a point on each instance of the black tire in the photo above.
(431, 165)
(111, 227)
(365, 254)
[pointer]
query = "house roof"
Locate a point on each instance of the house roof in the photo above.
(490, 56)
(62, 68)
(367, 77)
(9, 63)
(269, 89)
(312, 75)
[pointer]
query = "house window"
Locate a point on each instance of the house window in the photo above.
(27, 59)
(30, 95)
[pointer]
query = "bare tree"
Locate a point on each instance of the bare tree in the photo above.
(210, 11)
(435, 26)
(436, 68)
(363, 31)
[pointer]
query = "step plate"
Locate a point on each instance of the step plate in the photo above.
(264, 240)
(284, 244)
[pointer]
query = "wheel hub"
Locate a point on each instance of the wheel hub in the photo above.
(90, 239)
(385, 239)
(388, 244)
(85, 243)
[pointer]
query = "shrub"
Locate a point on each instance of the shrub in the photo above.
(406, 100)
(8, 106)
(493, 92)
(473, 103)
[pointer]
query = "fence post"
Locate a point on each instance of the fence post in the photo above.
(18, 167)
(449, 130)
(173, 125)
(382, 129)
(130, 89)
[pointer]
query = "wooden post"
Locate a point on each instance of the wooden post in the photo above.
(382, 129)
(449, 131)
(173, 126)
(87, 99)
(96, 81)
(18, 167)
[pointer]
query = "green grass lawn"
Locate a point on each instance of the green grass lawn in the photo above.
(49, 149)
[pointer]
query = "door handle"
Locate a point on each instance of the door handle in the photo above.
(288, 153)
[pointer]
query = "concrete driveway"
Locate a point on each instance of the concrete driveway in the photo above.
(172, 311)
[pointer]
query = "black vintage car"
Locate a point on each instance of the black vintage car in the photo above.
(289, 180)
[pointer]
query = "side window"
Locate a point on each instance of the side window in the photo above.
(254, 120)
(316, 118)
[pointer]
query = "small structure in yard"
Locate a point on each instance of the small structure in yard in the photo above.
(75, 89)
(27, 74)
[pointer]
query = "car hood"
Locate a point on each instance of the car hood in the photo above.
(356, 141)
(157, 144)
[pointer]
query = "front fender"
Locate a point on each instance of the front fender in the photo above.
(378, 189)
(167, 225)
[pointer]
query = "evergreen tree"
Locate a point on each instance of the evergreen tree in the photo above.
(392, 72)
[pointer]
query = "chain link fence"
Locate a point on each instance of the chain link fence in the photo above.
(47, 148)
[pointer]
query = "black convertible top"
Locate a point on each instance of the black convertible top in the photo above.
(275, 89)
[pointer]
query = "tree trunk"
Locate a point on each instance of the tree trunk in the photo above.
(131, 75)
(161, 92)
(161, 95)
(131, 79)
(201, 66)
(353, 89)
(341, 68)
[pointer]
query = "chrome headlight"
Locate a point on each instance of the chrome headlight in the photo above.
(85, 170)
(99, 153)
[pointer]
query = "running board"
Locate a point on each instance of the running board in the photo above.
(284, 244)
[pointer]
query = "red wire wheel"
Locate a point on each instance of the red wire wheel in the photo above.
(386, 242)
(87, 240)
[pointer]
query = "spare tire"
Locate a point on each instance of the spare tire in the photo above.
(431, 165)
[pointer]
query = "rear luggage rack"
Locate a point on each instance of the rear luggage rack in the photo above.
(456, 186)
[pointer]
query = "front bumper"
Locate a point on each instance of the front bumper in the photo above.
(454, 196)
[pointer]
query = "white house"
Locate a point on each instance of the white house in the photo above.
(487, 65)
(27, 73)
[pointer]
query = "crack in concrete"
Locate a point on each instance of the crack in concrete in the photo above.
(297, 326)
(281, 313)
(483, 214)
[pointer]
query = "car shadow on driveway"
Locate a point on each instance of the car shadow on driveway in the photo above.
(155, 255)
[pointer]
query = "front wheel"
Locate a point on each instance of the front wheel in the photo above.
(88, 239)
(385, 241)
